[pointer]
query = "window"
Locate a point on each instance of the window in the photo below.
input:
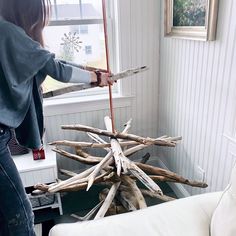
(76, 34)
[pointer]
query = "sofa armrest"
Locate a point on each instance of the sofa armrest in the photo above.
(184, 217)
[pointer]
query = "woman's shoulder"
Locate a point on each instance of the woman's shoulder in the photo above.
(9, 29)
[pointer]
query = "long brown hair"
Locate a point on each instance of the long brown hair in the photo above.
(31, 15)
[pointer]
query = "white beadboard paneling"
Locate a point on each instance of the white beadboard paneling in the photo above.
(197, 101)
(138, 28)
(139, 45)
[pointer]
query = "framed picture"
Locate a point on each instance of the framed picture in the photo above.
(191, 19)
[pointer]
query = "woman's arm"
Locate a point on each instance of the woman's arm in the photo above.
(71, 74)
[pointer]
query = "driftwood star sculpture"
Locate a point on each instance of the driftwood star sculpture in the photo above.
(116, 171)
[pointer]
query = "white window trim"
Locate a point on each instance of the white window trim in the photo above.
(75, 22)
(84, 104)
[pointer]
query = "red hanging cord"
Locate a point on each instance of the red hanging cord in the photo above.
(108, 65)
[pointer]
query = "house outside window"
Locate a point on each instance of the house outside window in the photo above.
(76, 34)
(83, 29)
(88, 50)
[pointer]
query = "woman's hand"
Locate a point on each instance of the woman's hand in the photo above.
(101, 77)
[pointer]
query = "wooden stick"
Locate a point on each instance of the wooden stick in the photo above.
(127, 127)
(80, 144)
(98, 139)
(116, 149)
(124, 163)
(164, 175)
(90, 161)
(170, 175)
(128, 73)
(144, 178)
(125, 131)
(76, 177)
(98, 168)
(135, 149)
(82, 86)
(84, 180)
(155, 195)
(67, 173)
(89, 145)
(170, 142)
(134, 190)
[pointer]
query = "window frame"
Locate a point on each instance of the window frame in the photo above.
(113, 54)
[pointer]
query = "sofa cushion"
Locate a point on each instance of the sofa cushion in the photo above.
(224, 217)
(184, 217)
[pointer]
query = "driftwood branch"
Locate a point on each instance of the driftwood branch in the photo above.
(68, 173)
(170, 142)
(136, 191)
(155, 195)
(82, 86)
(98, 168)
(90, 160)
(159, 173)
(90, 214)
(115, 171)
(122, 162)
(170, 175)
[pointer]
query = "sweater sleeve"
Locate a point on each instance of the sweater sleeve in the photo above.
(66, 73)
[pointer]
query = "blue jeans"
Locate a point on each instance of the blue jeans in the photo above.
(16, 215)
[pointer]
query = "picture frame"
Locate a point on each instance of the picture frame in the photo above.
(191, 19)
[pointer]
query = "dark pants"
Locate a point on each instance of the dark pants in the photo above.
(16, 215)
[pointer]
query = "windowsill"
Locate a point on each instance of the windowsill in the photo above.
(72, 105)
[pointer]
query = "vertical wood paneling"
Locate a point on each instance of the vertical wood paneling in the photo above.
(196, 101)
(139, 44)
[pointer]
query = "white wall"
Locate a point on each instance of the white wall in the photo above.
(197, 101)
(138, 29)
(139, 23)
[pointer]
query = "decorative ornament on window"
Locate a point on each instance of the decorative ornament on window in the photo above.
(71, 44)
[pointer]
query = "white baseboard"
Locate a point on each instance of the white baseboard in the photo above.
(178, 189)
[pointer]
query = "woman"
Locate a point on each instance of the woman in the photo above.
(24, 64)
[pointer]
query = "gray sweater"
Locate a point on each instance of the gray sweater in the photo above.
(24, 64)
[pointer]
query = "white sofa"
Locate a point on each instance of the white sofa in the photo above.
(201, 215)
